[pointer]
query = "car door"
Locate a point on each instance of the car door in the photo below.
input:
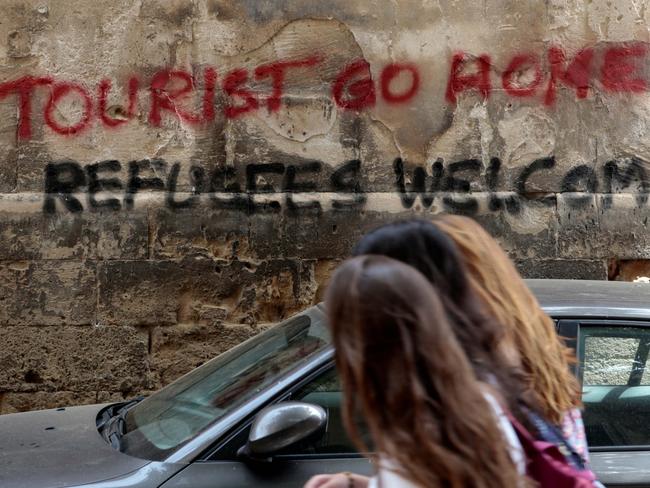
(332, 452)
(615, 382)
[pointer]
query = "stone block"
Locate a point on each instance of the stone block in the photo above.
(322, 271)
(27, 233)
(310, 234)
(579, 219)
(218, 234)
(83, 360)
(20, 235)
(563, 269)
(526, 228)
(9, 166)
(96, 235)
(603, 226)
(332, 234)
(31, 157)
(7, 171)
(47, 292)
(197, 290)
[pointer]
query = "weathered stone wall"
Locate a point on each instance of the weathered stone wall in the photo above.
(177, 173)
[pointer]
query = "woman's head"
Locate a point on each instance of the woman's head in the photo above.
(496, 281)
(423, 246)
(406, 375)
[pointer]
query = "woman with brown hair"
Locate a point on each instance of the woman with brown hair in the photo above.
(403, 371)
(527, 329)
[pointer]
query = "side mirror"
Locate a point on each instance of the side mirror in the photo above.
(283, 425)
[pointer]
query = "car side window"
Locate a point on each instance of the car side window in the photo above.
(615, 385)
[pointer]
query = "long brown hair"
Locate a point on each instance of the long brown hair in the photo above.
(404, 372)
(433, 253)
(497, 282)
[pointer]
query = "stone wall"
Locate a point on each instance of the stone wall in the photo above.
(178, 173)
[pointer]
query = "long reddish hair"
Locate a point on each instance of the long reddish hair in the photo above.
(405, 374)
(527, 328)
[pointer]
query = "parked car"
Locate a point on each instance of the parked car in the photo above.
(268, 412)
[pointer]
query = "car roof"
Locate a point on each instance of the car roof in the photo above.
(593, 299)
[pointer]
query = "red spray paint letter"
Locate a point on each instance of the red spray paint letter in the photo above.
(24, 87)
(361, 92)
(233, 86)
(517, 64)
(619, 69)
(210, 80)
(58, 92)
(164, 98)
(458, 82)
(388, 75)
(577, 74)
(103, 89)
(277, 71)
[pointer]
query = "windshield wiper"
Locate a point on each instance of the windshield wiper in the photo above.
(112, 423)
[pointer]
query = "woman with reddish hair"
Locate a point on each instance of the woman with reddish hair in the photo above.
(528, 331)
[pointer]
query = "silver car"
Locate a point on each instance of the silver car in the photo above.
(268, 412)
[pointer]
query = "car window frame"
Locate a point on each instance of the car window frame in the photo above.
(570, 330)
(212, 454)
(195, 450)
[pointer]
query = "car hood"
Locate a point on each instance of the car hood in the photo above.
(58, 448)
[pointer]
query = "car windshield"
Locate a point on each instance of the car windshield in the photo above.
(174, 415)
